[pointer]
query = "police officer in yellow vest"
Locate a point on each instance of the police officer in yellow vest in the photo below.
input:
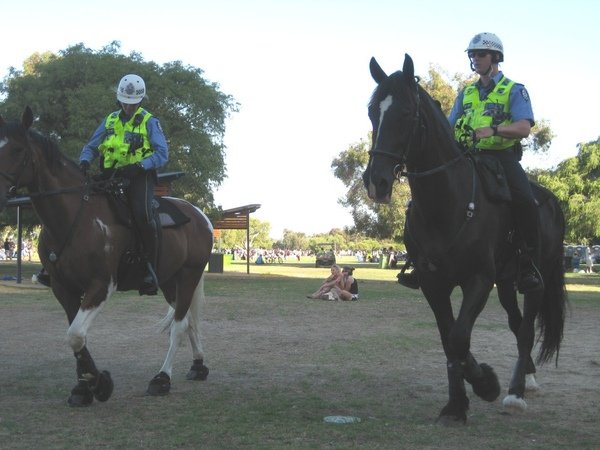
(497, 112)
(133, 145)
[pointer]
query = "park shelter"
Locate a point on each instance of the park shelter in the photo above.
(233, 219)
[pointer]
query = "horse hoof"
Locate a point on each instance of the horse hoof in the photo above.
(514, 404)
(198, 371)
(104, 386)
(451, 421)
(488, 387)
(454, 414)
(81, 395)
(159, 385)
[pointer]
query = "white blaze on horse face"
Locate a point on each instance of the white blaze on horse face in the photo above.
(3, 142)
(383, 107)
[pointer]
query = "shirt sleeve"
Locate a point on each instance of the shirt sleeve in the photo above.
(457, 109)
(90, 150)
(520, 104)
(158, 143)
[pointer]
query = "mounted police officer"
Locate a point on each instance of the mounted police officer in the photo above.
(492, 115)
(132, 145)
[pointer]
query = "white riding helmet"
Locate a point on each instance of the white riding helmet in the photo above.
(487, 41)
(131, 89)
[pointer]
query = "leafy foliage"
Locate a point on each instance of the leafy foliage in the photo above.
(576, 183)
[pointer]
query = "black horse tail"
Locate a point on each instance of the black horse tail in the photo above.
(551, 315)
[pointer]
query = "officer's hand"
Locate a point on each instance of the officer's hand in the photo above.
(84, 166)
(129, 171)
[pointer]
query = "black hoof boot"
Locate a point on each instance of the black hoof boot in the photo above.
(159, 385)
(198, 371)
(488, 387)
(81, 395)
(104, 386)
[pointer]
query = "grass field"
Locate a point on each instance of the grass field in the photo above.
(281, 363)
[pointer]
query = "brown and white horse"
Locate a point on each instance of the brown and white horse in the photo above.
(82, 246)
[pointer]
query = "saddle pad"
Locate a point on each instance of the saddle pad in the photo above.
(169, 214)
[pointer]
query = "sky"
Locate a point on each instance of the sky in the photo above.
(299, 70)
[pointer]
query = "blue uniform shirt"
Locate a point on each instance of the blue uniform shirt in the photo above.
(519, 102)
(157, 139)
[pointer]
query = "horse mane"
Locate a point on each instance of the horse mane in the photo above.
(49, 147)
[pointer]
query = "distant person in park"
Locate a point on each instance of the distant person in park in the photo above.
(589, 261)
(132, 145)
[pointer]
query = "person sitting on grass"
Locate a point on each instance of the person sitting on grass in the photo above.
(347, 288)
(328, 284)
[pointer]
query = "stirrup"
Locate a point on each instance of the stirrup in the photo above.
(530, 279)
(150, 282)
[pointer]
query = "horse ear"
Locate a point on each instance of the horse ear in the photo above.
(27, 118)
(376, 71)
(409, 68)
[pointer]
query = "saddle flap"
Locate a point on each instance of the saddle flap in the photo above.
(492, 177)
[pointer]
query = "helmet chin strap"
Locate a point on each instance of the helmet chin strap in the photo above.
(487, 72)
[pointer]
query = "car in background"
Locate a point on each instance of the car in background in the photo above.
(325, 255)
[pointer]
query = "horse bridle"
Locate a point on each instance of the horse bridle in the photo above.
(401, 160)
(14, 180)
(394, 156)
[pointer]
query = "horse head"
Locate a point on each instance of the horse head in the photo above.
(15, 156)
(394, 115)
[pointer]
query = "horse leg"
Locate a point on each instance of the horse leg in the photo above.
(183, 289)
(515, 400)
(508, 299)
(198, 371)
(455, 411)
(90, 381)
(461, 363)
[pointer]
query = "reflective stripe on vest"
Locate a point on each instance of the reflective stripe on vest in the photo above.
(125, 143)
(492, 110)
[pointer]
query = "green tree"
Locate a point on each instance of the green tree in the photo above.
(576, 183)
(293, 240)
(72, 92)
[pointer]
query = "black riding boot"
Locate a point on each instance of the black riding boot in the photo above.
(150, 243)
(529, 278)
(43, 278)
(410, 279)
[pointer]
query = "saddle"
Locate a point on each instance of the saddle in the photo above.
(166, 213)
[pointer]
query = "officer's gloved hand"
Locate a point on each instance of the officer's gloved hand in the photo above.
(130, 170)
(84, 166)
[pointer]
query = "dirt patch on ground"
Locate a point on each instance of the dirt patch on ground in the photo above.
(383, 355)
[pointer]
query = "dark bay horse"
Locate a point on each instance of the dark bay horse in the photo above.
(82, 245)
(458, 237)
